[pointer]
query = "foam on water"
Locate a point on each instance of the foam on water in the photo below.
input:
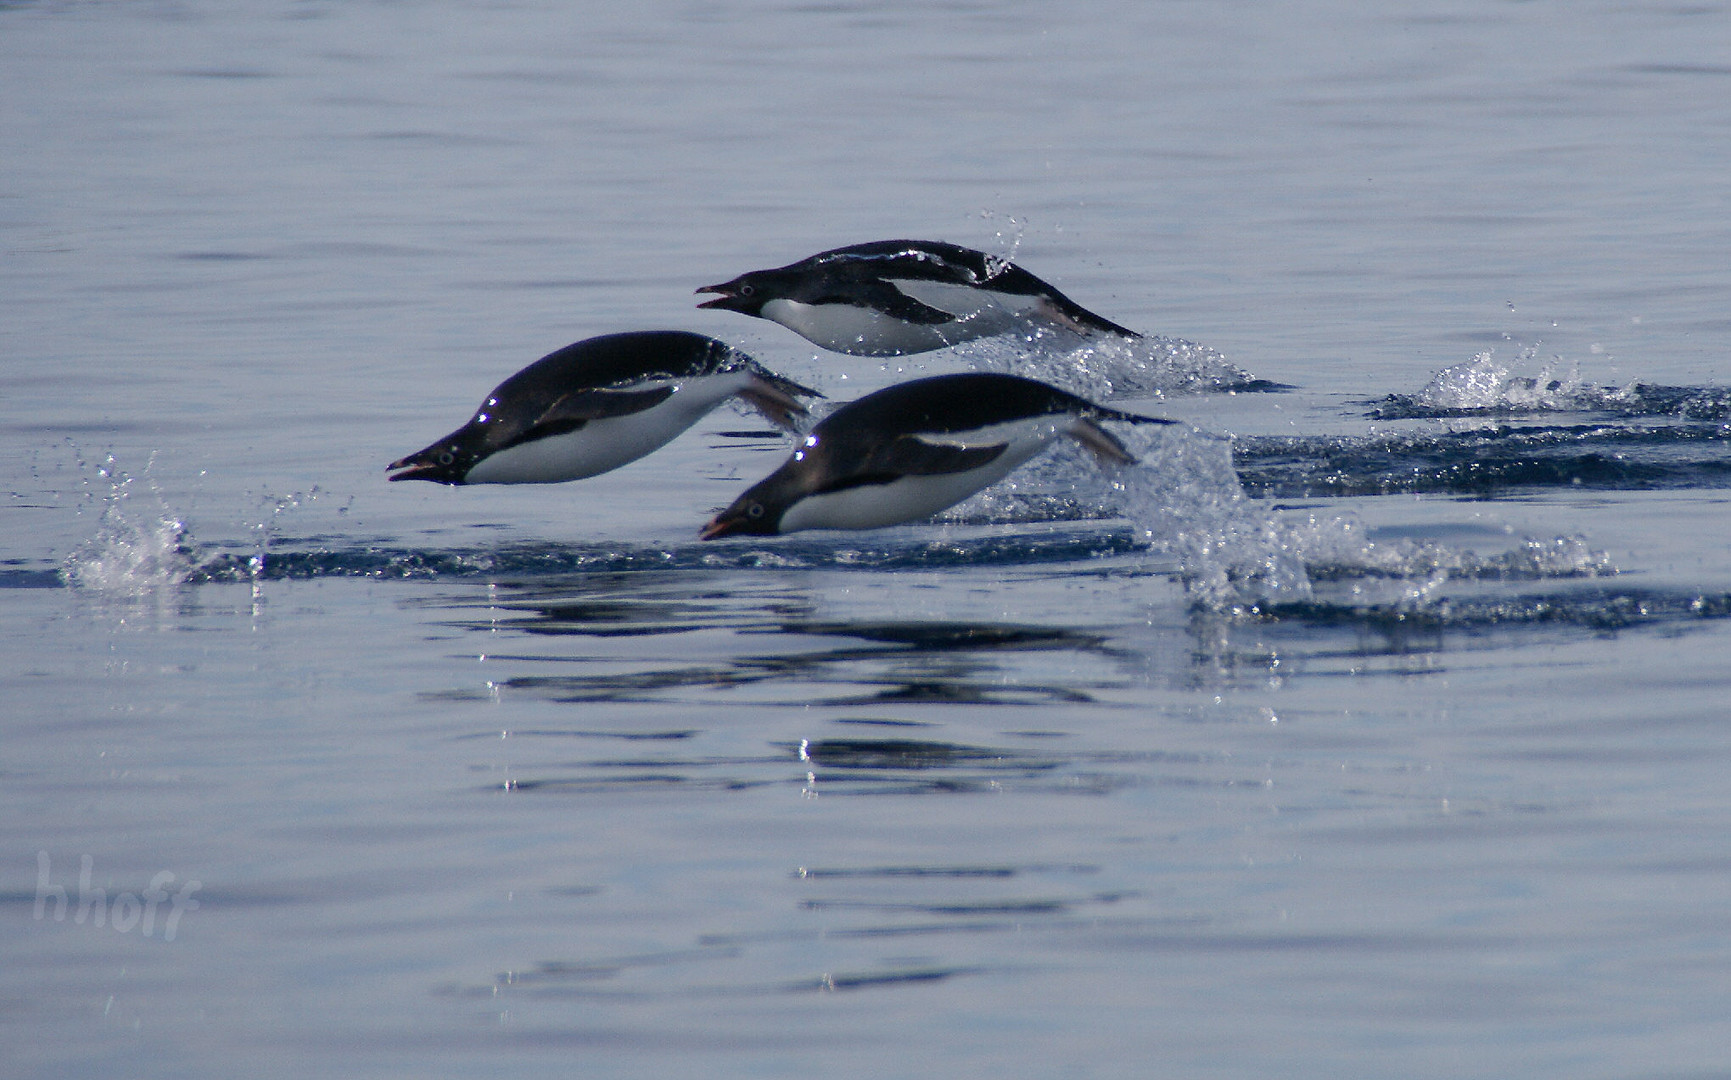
(1104, 367)
(1238, 553)
(1485, 386)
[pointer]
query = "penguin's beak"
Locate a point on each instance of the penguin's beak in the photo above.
(726, 298)
(412, 469)
(424, 465)
(719, 525)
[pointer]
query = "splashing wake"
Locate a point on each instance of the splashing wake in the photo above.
(133, 552)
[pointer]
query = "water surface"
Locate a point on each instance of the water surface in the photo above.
(1374, 725)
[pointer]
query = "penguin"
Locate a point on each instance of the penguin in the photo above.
(910, 450)
(894, 297)
(598, 404)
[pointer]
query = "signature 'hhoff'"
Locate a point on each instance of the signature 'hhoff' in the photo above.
(127, 911)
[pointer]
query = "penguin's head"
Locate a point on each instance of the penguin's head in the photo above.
(759, 512)
(745, 294)
(756, 513)
(447, 461)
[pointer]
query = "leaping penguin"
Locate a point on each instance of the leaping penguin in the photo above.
(894, 297)
(599, 404)
(913, 449)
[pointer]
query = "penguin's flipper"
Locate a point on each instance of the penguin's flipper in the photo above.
(885, 297)
(572, 411)
(911, 455)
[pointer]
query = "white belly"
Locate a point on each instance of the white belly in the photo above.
(912, 498)
(857, 331)
(604, 445)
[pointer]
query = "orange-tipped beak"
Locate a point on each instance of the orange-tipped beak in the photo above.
(718, 526)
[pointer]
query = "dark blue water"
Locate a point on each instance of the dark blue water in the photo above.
(1374, 725)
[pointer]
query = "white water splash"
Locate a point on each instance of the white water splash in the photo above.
(140, 546)
(1483, 383)
(1104, 367)
(1010, 234)
(1236, 553)
(1185, 500)
(1476, 384)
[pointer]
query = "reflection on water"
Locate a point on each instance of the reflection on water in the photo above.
(922, 905)
(850, 767)
(554, 980)
(681, 636)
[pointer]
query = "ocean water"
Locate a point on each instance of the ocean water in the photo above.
(1376, 723)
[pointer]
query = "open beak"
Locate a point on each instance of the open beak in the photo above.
(411, 470)
(724, 298)
(421, 466)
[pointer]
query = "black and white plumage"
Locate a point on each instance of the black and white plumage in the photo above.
(894, 297)
(599, 404)
(913, 449)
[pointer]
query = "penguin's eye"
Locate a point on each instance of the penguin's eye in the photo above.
(747, 290)
(754, 511)
(446, 457)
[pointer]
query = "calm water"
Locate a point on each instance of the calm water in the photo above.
(1374, 726)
